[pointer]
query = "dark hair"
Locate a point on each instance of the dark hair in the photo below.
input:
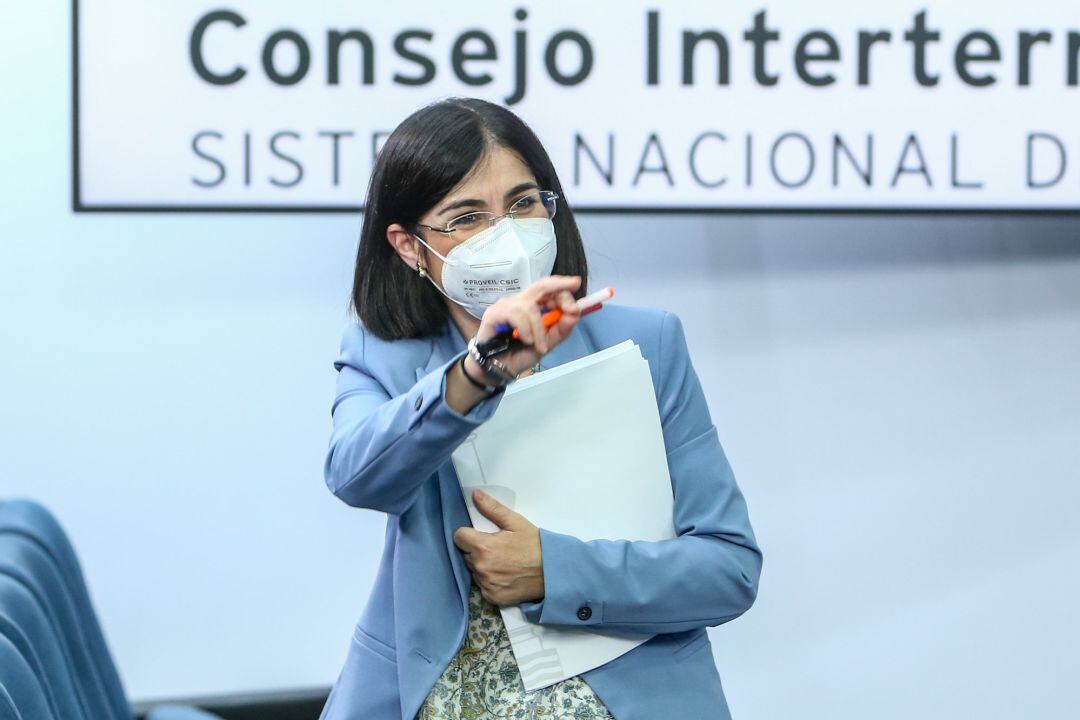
(425, 157)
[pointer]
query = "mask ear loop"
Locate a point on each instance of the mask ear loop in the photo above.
(423, 273)
(433, 250)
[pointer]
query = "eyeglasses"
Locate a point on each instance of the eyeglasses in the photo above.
(537, 204)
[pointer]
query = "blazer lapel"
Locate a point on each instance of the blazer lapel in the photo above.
(572, 348)
(434, 359)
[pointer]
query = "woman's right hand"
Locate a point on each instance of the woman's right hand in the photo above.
(522, 311)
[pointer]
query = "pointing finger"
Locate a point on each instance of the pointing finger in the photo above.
(553, 283)
(567, 302)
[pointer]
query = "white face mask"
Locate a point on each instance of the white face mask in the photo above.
(499, 261)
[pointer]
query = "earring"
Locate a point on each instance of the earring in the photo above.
(419, 270)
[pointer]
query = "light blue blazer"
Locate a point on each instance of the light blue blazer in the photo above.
(390, 451)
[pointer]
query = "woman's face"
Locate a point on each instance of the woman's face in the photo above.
(499, 178)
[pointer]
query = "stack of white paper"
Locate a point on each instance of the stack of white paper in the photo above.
(577, 449)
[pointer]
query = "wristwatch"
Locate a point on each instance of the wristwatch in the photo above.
(489, 389)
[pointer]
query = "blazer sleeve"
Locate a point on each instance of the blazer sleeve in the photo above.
(383, 448)
(705, 576)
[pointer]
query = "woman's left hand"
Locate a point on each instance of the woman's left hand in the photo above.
(507, 564)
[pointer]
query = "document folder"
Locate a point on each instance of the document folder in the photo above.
(577, 449)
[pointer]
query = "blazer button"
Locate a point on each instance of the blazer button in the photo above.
(419, 402)
(584, 612)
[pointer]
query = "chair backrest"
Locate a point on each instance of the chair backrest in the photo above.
(54, 663)
(34, 521)
(47, 577)
(24, 623)
(22, 696)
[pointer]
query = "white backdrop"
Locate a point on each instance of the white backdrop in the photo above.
(187, 104)
(898, 396)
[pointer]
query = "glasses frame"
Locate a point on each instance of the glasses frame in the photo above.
(448, 230)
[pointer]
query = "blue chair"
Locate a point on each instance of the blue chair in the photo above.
(47, 619)
(21, 695)
(34, 522)
(24, 624)
(26, 563)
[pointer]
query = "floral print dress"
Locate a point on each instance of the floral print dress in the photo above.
(482, 681)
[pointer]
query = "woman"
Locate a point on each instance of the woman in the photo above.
(466, 227)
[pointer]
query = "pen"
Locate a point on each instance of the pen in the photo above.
(507, 336)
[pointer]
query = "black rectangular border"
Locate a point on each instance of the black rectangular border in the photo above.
(78, 206)
(76, 193)
(299, 704)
